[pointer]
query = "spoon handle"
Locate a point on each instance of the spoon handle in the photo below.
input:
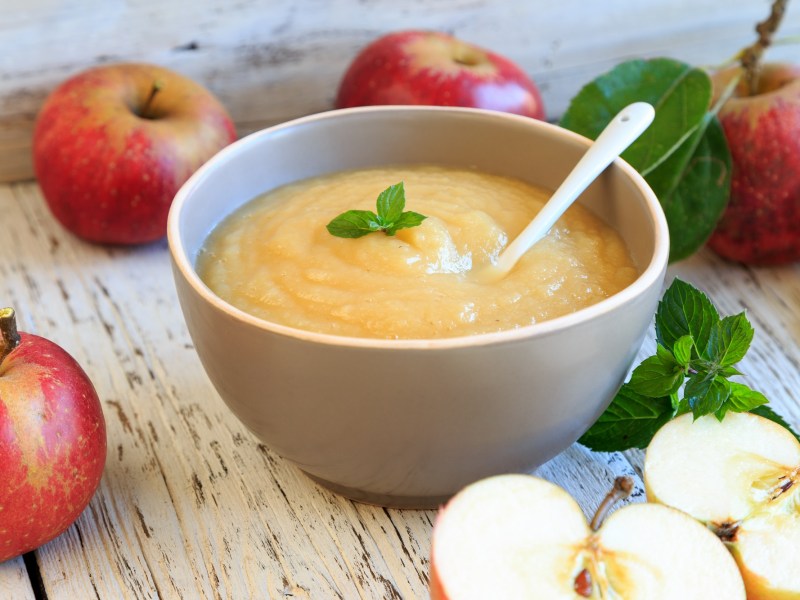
(623, 129)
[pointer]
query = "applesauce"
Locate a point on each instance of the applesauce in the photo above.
(274, 258)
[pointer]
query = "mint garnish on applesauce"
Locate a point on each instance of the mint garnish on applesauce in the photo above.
(389, 218)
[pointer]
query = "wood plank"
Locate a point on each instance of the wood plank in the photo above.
(272, 60)
(191, 504)
(14, 581)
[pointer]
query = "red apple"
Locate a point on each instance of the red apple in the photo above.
(52, 439)
(761, 224)
(113, 144)
(433, 68)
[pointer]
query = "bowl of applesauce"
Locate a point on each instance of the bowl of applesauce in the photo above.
(380, 364)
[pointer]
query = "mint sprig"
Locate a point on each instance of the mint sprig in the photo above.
(696, 354)
(389, 218)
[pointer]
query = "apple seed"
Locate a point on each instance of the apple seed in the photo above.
(583, 584)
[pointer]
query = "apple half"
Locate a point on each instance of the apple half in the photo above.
(518, 536)
(740, 477)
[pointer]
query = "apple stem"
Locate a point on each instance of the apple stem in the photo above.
(466, 55)
(623, 486)
(9, 336)
(751, 56)
(145, 112)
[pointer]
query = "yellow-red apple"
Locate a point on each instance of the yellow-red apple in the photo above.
(113, 144)
(52, 439)
(761, 224)
(434, 68)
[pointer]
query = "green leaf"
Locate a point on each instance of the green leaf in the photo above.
(766, 412)
(630, 421)
(407, 219)
(657, 376)
(729, 340)
(685, 319)
(354, 224)
(706, 393)
(744, 399)
(680, 94)
(389, 218)
(683, 155)
(682, 350)
(729, 372)
(684, 311)
(391, 203)
(693, 187)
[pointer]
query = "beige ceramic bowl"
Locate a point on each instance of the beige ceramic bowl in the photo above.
(408, 423)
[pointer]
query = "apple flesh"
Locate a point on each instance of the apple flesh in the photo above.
(113, 144)
(741, 478)
(761, 224)
(52, 440)
(434, 68)
(518, 536)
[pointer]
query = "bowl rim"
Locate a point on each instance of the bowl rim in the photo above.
(652, 273)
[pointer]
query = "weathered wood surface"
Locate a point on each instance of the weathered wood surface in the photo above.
(271, 60)
(191, 505)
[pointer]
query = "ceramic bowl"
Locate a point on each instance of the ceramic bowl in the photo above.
(446, 411)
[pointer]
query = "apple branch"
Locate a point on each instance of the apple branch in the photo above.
(623, 486)
(751, 56)
(9, 337)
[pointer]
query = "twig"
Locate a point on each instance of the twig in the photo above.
(752, 55)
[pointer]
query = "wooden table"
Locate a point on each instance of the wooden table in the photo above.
(191, 505)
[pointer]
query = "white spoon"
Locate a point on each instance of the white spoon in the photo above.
(618, 135)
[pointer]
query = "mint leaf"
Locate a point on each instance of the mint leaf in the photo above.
(766, 412)
(729, 372)
(630, 421)
(685, 321)
(706, 393)
(729, 340)
(657, 376)
(407, 219)
(391, 203)
(684, 310)
(682, 350)
(743, 399)
(389, 218)
(354, 224)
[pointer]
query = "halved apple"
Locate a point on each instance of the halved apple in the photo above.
(741, 478)
(520, 537)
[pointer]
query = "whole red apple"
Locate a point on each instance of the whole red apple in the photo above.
(113, 144)
(433, 68)
(52, 439)
(761, 224)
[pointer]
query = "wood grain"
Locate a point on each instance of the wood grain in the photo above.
(14, 581)
(272, 60)
(191, 504)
